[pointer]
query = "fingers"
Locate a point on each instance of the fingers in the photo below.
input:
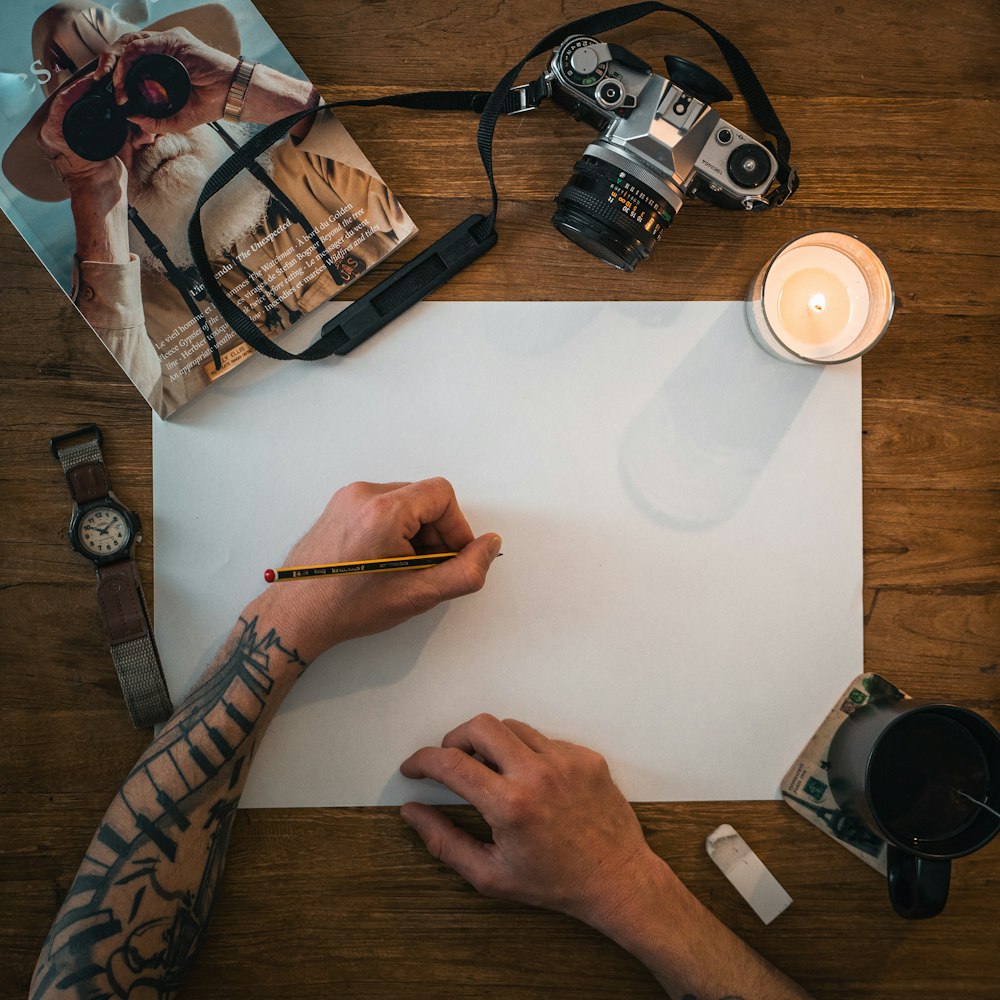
(50, 135)
(69, 95)
(432, 502)
(387, 518)
(129, 48)
(457, 771)
(465, 574)
(426, 512)
(530, 736)
(105, 63)
(446, 842)
(492, 739)
(372, 521)
(428, 539)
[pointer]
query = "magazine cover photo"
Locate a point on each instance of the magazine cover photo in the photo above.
(115, 115)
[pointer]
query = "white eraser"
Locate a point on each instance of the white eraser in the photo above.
(747, 873)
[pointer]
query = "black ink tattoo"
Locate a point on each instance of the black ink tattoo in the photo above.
(131, 920)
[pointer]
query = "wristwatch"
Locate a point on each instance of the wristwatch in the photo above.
(104, 531)
(238, 90)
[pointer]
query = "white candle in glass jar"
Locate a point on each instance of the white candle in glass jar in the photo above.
(822, 299)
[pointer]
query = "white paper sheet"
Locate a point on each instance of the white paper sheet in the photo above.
(681, 515)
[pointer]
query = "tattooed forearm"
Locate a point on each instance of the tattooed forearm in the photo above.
(137, 909)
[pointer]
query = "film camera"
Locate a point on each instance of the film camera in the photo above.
(95, 127)
(660, 139)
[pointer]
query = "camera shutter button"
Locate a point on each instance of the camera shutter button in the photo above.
(610, 94)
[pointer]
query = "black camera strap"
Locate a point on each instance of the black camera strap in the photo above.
(185, 284)
(472, 238)
(595, 24)
(391, 297)
(286, 204)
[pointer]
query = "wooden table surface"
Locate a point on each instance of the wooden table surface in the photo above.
(892, 111)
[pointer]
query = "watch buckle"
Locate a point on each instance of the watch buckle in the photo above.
(55, 442)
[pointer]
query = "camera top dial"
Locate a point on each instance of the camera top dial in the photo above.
(584, 61)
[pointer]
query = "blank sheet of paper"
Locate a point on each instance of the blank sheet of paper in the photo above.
(681, 515)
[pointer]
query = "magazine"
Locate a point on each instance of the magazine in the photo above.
(103, 191)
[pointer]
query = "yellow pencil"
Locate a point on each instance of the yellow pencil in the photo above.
(390, 564)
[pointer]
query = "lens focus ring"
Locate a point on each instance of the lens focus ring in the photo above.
(610, 214)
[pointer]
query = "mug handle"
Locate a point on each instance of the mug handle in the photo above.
(918, 887)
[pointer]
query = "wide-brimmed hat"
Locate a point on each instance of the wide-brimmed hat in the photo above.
(66, 40)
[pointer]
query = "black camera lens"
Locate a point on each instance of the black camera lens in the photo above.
(157, 86)
(94, 128)
(610, 214)
(748, 165)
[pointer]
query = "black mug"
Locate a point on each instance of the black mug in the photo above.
(924, 777)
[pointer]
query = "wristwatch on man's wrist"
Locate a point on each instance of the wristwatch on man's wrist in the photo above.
(238, 88)
(103, 530)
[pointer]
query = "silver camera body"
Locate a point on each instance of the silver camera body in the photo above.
(660, 140)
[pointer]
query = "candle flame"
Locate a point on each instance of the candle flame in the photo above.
(818, 302)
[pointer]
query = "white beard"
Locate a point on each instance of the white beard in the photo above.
(165, 196)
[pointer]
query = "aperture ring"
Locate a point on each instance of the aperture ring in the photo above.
(613, 200)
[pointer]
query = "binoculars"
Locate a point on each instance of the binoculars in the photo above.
(95, 127)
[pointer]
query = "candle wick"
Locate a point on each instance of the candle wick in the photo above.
(818, 302)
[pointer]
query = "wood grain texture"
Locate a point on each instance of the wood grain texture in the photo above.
(893, 116)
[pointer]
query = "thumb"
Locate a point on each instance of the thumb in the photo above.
(466, 573)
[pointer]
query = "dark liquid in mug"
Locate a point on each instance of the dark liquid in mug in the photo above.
(916, 773)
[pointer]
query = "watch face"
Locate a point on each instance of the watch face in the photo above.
(103, 531)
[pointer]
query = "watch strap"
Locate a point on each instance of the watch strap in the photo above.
(133, 648)
(120, 600)
(84, 466)
(119, 597)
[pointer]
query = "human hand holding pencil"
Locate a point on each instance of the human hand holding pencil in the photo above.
(372, 521)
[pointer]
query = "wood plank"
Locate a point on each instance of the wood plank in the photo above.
(932, 540)
(534, 153)
(942, 264)
(842, 49)
(427, 924)
(921, 445)
(937, 645)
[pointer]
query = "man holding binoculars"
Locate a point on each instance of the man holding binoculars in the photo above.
(135, 123)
